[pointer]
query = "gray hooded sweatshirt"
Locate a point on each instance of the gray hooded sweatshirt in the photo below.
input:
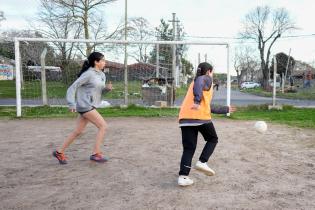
(86, 92)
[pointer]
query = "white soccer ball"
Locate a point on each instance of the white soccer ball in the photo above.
(261, 126)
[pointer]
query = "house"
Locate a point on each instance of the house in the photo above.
(300, 69)
(114, 71)
(53, 73)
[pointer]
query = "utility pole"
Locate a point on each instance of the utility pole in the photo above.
(286, 71)
(179, 56)
(173, 57)
(157, 73)
(126, 60)
(274, 92)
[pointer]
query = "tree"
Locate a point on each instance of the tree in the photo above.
(163, 32)
(6, 48)
(58, 23)
(187, 67)
(266, 26)
(88, 14)
(139, 29)
(30, 51)
(246, 64)
(2, 16)
(282, 64)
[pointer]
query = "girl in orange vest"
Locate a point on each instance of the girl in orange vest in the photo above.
(194, 117)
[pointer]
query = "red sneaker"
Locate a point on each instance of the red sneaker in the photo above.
(60, 156)
(98, 157)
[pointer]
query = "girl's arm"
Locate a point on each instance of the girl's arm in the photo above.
(71, 92)
(201, 84)
(108, 88)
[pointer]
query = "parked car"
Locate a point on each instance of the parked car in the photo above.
(277, 84)
(247, 85)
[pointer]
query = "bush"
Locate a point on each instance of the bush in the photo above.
(257, 107)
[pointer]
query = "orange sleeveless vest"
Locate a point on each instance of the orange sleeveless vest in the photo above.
(204, 113)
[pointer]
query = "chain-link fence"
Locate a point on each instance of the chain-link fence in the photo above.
(155, 74)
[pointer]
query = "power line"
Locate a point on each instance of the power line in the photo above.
(239, 38)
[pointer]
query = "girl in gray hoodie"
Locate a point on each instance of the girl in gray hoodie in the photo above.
(83, 96)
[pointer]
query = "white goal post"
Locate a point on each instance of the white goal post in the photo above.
(17, 41)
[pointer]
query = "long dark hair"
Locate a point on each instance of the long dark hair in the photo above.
(203, 68)
(90, 62)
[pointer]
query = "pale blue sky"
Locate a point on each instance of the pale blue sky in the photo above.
(199, 17)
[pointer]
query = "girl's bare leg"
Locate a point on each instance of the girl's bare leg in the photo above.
(81, 124)
(97, 119)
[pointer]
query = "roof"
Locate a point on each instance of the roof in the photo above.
(301, 67)
(134, 66)
(111, 64)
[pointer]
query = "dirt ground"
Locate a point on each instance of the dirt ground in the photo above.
(274, 170)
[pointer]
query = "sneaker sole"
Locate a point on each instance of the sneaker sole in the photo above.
(100, 161)
(95, 161)
(184, 185)
(208, 173)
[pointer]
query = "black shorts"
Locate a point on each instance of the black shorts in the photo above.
(81, 113)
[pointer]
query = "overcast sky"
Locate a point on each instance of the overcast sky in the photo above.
(199, 18)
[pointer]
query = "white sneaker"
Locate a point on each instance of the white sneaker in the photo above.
(185, 181)
(204, 168)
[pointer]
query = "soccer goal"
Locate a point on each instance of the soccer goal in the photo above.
(146, 73)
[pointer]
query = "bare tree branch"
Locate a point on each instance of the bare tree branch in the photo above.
(88, 14)
(266, 26)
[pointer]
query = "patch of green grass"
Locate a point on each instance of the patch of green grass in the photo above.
(289, 115)
(51, 112)
(136, 111)
(32, 89)
(7, 89)
(181, 91)
(306, 94)
(257, 91)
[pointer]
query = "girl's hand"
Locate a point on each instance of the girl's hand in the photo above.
(72, 110)
(109, 86)
(195, 106)
(232, 109)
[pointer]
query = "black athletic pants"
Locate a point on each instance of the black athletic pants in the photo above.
(189, 140)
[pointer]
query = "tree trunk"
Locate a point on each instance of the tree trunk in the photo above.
(238, 78)
(263, 65)
(86, 32)
(265, 77)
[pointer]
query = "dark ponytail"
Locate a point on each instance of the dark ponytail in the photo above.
(85, 67)
(90, 62)
(203, 68)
